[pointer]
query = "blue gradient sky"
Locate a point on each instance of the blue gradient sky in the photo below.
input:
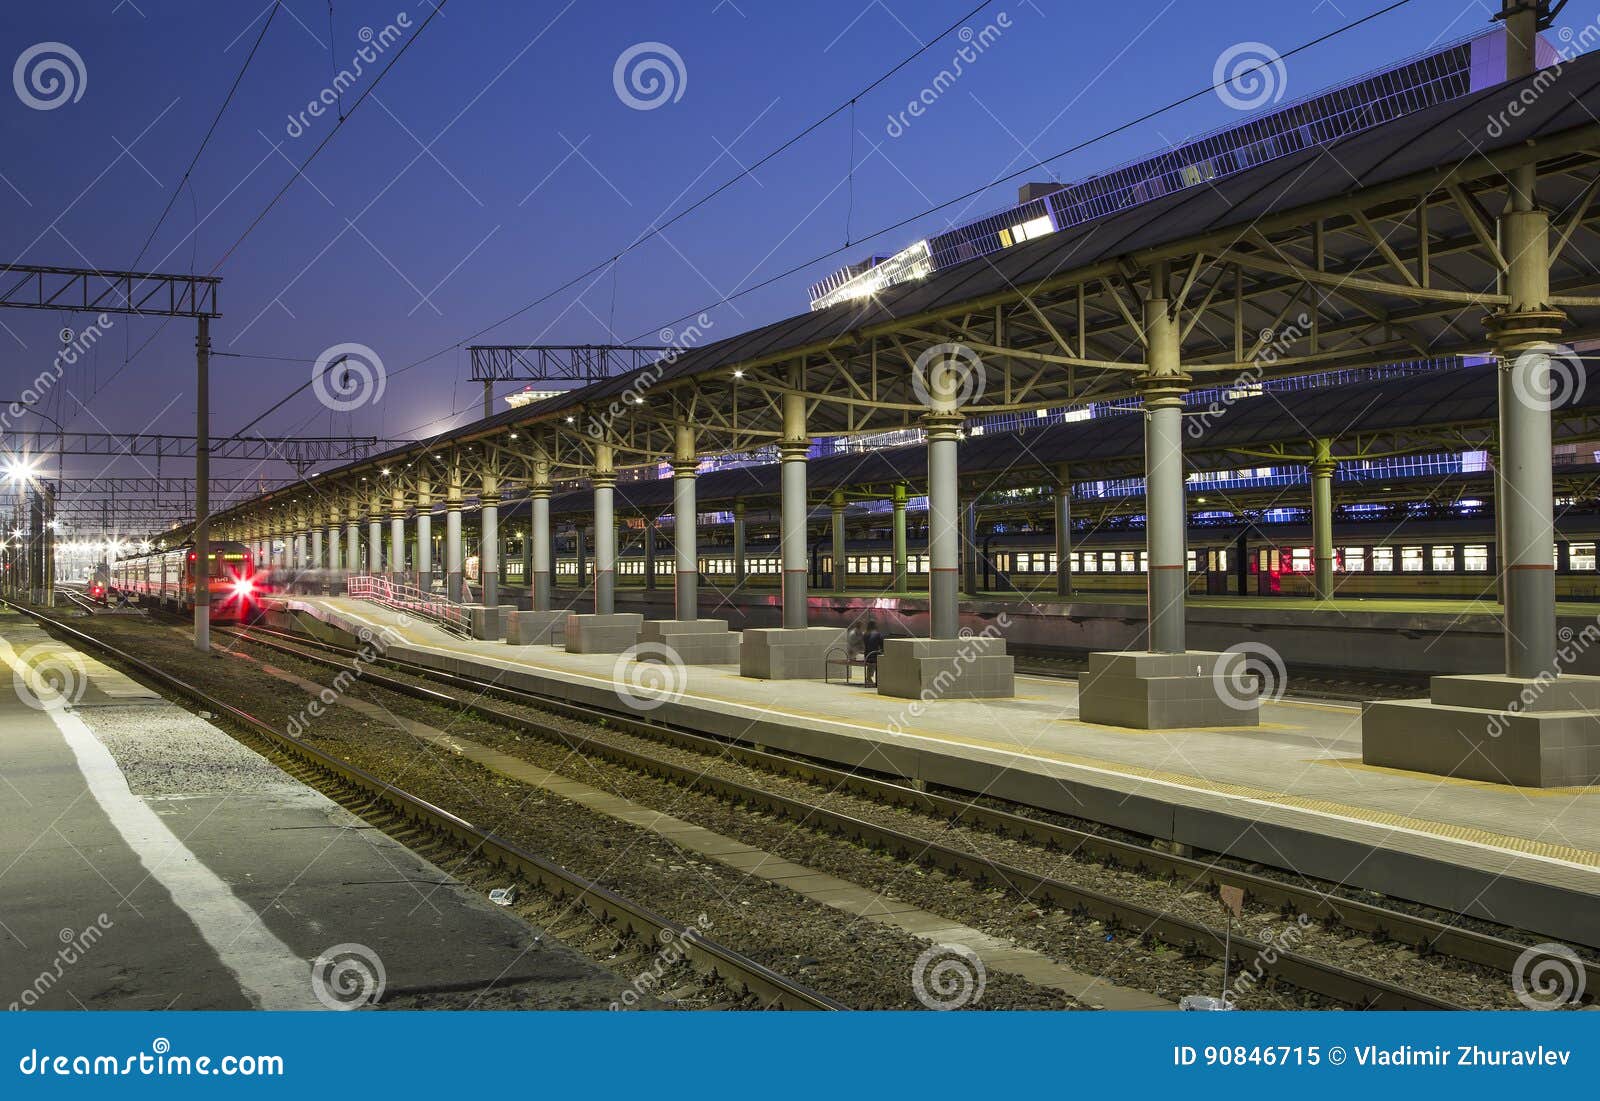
(454, 195)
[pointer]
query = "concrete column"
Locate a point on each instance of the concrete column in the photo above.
(649, 538)
(841, 573)
(1523, 333)
(454, 559)
(944, 608)
(605, 532)
(898, 539)
(298, 559)
(489, 543)
(317, 561)
(335, 559)
(1322, 470)
(793, 509)
(580, 551)
(1063, 525)
(1165, 532)
(423, 565)
(738, 544)
(352, 538)
(539, 535)
(397, 534)
(685, 524)
(375, 540)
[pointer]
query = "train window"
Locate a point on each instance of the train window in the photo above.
(1144, 561)
(1355, 559)
(1382, 559)
(1475, 558)
(1444, 559)
(1074, 559)
(1126, 562)
(1264, 560)
(1580, 556)
(1050, 562)
(1410, 559)
(1090, 564)
(1192, 561)
(1300, 560)
(1108, 561)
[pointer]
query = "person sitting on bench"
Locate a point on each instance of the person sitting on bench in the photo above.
(872, 646)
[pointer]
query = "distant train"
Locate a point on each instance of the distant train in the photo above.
(1410, 558)
(166, 578)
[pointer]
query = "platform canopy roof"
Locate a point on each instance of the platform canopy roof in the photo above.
(1377, 248)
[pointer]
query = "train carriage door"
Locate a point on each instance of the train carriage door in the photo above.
(1241, 562)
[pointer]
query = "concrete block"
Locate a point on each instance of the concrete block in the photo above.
(1498, 692)
(691, 641)
(537, 628)
(780, 653)
(946, 669)
(1146, 691)
(603, 634)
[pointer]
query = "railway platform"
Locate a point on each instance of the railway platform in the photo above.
(150, 861)
(1290, 793)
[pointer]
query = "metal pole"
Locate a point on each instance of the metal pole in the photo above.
(452, 534)
(1164, 503)
(489, 544)
(840, 573)
(685, 525)
(605, 533)
(738, 544)
(202, 486)
(649, 537)
(944, 568)
(424, 525)
(539, 533)
(488, 399)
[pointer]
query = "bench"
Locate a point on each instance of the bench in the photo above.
(842, 660)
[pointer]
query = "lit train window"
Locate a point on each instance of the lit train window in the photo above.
(1444, 559)
(1300, 560)
(1355, 559)
(1410, 559)
(1475, 558)
(1050, 560)
(1090, 564)
(1192, 561)
(1108, 561)
(1127, 562)
(1581, 556)
(1382, 559)
(1073, 560)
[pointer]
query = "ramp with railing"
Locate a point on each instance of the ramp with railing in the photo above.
(401, 597)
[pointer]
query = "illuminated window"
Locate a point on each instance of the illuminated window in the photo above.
(1355, 559)
(1444, 559)
(1127, 563)
(1581, 556)
(1382, 559)
(1192, 561)
(1300, 560)
(1475, 558)
(1090, 564)
(1410, 559)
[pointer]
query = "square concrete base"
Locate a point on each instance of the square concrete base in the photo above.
(537, 628)
(1148, 691)
(975, 668)
(694, 641)
(785, 653)
(603, 634)
(488, 623)
(1505, 730)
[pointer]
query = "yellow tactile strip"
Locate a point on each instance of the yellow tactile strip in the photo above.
(1389, 820)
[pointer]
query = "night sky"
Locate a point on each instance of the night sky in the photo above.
(497, 160)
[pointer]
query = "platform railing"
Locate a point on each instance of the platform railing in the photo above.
(411, 600)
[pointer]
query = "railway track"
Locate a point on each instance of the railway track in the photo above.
(364, 794)
(1299, 970)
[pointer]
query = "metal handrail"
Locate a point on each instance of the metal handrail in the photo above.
(410, 599)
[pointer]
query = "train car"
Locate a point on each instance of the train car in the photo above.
(98, 587)
(1448, 558)
(166, 579)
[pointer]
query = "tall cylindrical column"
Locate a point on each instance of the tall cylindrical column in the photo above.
(352, 540)
(539, 536)
(649, 539)
(375, 541)
(1522, 335)
(1322, 469)
(944, 609)
(897, 534)
(335, 557)
(397, 537)
(454, 558)
(489, 543)
(793, 508)
(317, 561)
(605, 532)
(841, 566)
(1063, 533)
(968, 544)
(1165, 532)
(685, 527)
(424, 558)
(738, 544)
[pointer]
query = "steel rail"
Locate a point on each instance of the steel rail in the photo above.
(639, 920)
(1299, 970)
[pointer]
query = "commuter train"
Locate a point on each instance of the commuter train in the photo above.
(166, 578)
(1453, 558)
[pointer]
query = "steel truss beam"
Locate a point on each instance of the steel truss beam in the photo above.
(145, 294)
(558, 362)
(300, 450)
